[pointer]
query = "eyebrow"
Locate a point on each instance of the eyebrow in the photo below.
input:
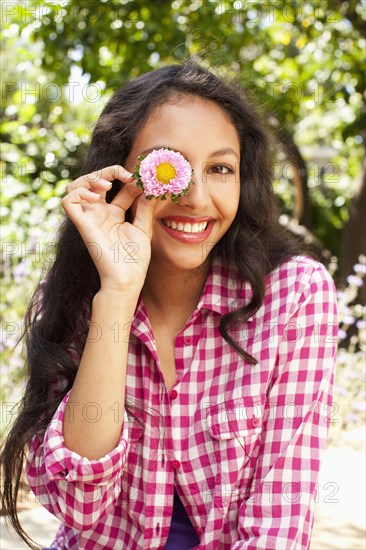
(225, 151)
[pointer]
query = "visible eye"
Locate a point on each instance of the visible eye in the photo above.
(222, 169)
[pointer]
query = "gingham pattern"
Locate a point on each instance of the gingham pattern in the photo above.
(242, 443)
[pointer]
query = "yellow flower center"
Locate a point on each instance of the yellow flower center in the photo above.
(165, 172)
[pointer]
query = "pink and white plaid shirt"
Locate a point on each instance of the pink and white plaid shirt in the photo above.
(242, 443)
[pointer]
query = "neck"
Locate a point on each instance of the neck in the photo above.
(170, 293)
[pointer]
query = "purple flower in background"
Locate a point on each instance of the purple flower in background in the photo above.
(341, 390)
(360, 268)
(348, 320)
(354, 280)
(21, 271)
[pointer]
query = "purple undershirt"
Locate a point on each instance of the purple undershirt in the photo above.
(182, 534)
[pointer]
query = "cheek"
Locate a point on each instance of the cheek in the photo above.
(227, 200)
(235, 197)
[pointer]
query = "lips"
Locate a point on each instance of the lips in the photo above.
(188, 219)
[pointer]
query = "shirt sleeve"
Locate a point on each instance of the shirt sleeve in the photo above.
(78, 491)
(279, 512)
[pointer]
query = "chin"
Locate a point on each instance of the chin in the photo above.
(185, 260)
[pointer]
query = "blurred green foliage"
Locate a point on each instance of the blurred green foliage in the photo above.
(303, 65)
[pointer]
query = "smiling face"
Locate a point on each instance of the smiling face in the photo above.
(184, 233)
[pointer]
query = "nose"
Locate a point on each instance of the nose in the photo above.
(198, 196)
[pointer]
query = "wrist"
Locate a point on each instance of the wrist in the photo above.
(117, 295)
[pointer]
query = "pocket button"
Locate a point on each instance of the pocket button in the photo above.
(217, 502)
(255, 422)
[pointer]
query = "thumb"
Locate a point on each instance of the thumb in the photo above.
(145, 214)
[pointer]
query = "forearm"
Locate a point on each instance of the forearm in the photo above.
(94, 414)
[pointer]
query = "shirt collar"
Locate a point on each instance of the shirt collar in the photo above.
(224, 291)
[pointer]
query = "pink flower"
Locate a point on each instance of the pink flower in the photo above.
(164, 171)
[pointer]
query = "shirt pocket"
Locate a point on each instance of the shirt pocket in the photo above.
(241, 417)
(145, 436)
(135, 430)
(235, 427)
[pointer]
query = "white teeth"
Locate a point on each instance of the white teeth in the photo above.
(187, 227)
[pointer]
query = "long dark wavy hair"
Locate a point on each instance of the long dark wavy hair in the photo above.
(59, 310)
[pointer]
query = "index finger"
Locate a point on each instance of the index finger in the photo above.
(100, 178)
(110, 173)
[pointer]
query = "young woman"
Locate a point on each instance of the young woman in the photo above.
(180, 376)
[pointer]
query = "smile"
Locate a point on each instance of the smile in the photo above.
(186, 227)
(186, 232)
